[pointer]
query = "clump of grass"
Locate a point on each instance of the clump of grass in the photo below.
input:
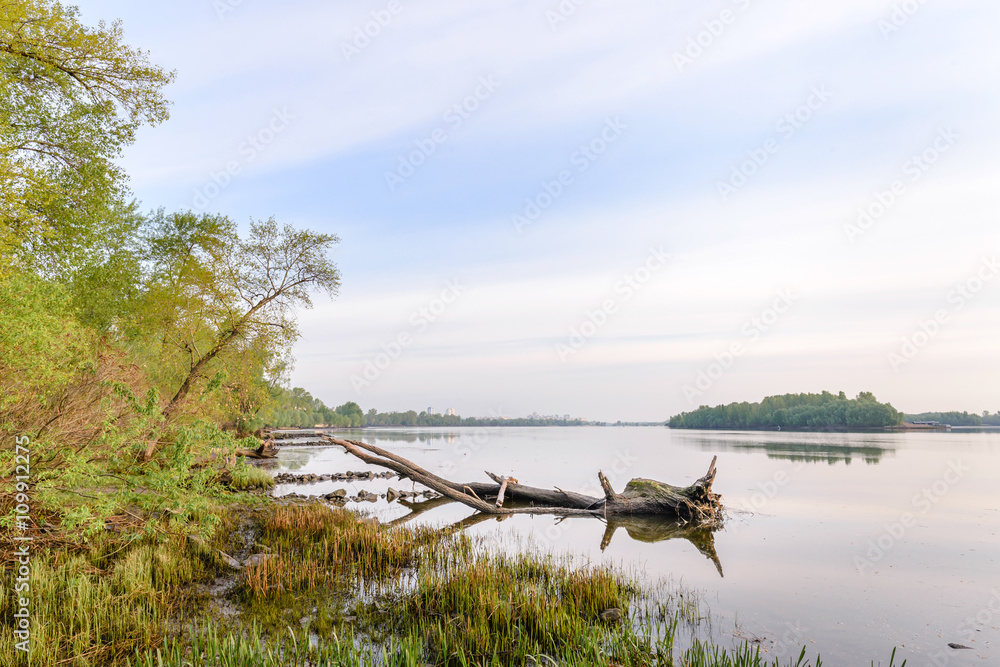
(99, 607)
(315, 545)
(498, 609)
(707, 655)
(247, 478)
(206, 647)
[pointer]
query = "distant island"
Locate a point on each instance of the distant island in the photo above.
(956, 418)
(297, 408)
(804, 412)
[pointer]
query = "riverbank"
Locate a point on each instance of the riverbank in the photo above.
(302, 583)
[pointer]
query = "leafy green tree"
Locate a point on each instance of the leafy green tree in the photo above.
(71, 97)
(801, 411)
(220, 297)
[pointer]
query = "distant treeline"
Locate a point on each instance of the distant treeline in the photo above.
(956, 418)
(413, 418)
(297, 408)
(794, 411)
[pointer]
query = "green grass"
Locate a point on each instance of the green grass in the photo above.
(247, 478)
(340, 590)
(99, 607)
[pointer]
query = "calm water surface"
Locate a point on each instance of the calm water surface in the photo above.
(849, 544)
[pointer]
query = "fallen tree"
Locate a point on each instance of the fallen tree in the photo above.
(643, 497)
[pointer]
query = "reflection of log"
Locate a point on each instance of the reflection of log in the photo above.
(695, 503)
(640, 528)
(416, 509)
(657, 529)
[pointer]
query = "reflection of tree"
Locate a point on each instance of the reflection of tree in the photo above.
(806, 452)
(657, 529)
(647, 529)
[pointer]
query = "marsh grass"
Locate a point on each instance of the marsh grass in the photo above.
(97, 608)
(316, 545)
(245, 477)
(706, 655)
(337, 589)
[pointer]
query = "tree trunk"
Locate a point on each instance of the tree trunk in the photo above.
(692, 504)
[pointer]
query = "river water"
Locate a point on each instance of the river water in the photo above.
(849, 544)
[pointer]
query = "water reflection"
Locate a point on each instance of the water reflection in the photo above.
(374, 436)
(652, 529)
(648, 529)
(806, 452)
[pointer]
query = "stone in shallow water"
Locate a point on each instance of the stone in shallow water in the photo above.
(611, 615)
(257, 559)
(229, 560)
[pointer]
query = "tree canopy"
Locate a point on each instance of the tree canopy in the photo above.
(71, 98)
(132, 344)
(795, 411)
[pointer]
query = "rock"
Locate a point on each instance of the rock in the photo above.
(256, 559)
(229, 560)
(337, 493)
(611, 615)
(960, 646)
(391, 494)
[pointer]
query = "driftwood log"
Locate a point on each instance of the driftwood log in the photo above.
(267, 450)
(642, 497)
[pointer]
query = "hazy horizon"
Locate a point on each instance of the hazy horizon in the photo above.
(582, 211)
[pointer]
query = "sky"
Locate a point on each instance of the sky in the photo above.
(612, 209)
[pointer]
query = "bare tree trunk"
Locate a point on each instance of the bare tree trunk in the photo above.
(692, 504)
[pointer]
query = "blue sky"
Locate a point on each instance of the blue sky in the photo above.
(806, 112)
